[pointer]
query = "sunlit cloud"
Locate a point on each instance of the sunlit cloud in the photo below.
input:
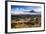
(24, 9)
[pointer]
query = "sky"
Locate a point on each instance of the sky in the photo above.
(18, 8)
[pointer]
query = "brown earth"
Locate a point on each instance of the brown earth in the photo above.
(25, 21)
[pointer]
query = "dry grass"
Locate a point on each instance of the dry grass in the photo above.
(25, 21)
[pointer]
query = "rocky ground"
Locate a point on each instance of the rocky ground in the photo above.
(25, 21)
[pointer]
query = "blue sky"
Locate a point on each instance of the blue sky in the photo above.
(24, 8)
(20, 8)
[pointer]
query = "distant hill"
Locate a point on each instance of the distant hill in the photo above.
(32, 11)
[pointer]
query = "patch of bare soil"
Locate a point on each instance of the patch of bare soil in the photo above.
(25, 21)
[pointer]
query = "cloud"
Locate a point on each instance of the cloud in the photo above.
(25, 8)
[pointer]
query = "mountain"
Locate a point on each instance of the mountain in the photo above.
(32, 12)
